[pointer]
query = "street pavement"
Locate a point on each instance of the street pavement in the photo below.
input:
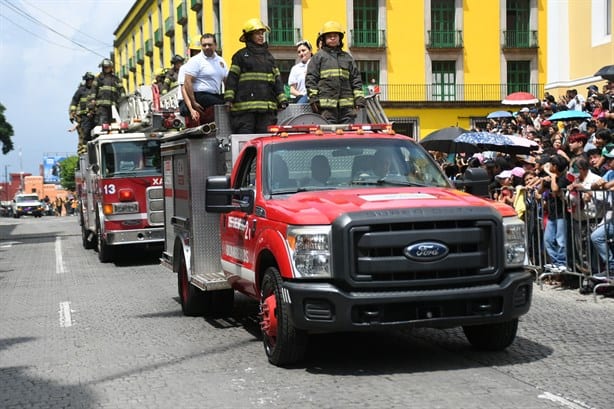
(75, 333)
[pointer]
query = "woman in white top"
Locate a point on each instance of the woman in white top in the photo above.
(296, 80)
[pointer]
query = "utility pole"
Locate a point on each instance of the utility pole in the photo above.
(6, 182)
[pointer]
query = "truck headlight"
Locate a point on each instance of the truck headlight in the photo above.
(515, 247)
(310, 251)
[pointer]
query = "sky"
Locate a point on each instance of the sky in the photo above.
(45, 48)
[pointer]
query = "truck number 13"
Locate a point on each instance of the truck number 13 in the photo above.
(109, 189)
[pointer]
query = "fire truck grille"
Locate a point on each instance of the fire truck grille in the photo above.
(439, 252)
(155, 206)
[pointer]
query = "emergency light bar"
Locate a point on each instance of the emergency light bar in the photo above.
(339, 129)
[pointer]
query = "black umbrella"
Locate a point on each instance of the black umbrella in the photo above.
(607, 73)
(443, 140)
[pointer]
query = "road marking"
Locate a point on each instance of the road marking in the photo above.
(564, 402)
(65, 317)
(59, 261)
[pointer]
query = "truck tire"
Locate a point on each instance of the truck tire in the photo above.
(194, 302)
(492, 337)
(105, 252)
(283, 343)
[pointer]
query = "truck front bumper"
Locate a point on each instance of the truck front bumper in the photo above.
(323, 307)
(152, 235)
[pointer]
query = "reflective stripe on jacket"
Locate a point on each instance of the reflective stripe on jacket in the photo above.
(108, 89)
(254, 82)
(333, 79)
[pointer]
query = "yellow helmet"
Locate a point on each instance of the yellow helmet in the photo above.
(332, 27)
(253, 24)
(195, 43)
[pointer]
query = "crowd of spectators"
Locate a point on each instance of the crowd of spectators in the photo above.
(573, 166)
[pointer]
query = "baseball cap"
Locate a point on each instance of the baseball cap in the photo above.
(546, 123)
(525, 109)
(592, 88)
(504, 174)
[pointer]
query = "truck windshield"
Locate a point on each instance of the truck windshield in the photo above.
(319, 164)
(26, 198)
(130, 158)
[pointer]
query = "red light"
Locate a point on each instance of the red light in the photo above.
(123, 125)
(126, 195)
(106, 127)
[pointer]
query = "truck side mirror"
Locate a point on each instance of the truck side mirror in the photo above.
(91, 153)
(95, 168)
(221, 198)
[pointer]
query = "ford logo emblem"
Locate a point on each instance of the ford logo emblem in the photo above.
(426, 251)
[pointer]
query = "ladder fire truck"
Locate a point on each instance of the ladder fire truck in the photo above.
(304, 221)
(119, 179)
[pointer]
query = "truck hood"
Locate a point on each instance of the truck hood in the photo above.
(322, 207)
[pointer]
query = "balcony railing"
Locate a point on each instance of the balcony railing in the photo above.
(368, 38)
(149, 47)
(182, 15)
(158, 39)
(169, 26)
(284, 37)
(445, 39)
(131, 65)
(520, 39)
(453, 93)
(139, 56)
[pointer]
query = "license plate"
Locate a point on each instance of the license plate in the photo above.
(132, 207)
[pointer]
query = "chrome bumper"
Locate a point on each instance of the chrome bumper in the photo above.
(138, 236)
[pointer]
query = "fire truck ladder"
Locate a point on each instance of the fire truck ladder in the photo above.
(375, 112)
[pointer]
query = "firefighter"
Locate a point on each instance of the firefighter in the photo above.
(254, 89)
(172, 74)
(159, 77)
(333, 81)
(109, 90)
(82, 110)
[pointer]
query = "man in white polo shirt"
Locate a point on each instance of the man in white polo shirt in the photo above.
(204, 78)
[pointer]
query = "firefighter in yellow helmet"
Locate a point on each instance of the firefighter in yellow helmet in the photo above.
(159, 76)
(254, 89)
(109, 90)
(172, 74)
(333, 81)
(83, 110)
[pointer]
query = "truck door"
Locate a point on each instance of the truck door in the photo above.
(238, 236)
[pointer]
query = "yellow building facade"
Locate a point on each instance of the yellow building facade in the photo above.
(437, 62)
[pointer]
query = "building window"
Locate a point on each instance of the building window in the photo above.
(369, 70)
(443, 26)
(365, 32)
(281, 20)
(518, 76)
(405, 126)
(518, 33)
(444, 81)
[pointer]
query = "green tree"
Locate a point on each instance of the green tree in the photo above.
(67, 172)
(6, 131)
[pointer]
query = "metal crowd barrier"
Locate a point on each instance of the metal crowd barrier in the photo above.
(586, 214)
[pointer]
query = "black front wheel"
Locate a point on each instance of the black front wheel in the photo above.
(283, 343)
(492, 337)
(194, 302)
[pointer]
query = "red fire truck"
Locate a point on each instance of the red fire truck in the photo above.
(337, 228)
(119, 180)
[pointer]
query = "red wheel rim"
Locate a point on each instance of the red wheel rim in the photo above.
(269, 320)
